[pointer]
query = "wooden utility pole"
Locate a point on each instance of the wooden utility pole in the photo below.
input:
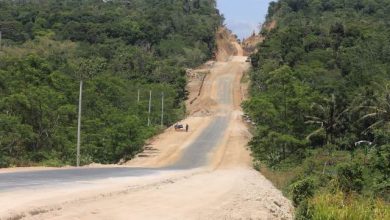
(150, 106)
(79, 123)
(138, 97)
(162, 109)
(0, 41)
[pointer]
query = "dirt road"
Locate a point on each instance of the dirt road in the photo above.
(205, 173)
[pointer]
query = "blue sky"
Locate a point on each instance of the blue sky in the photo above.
(243, 16)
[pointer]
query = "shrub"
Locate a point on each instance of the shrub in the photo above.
(302, 211)
(53, 162)
(350, 177)
(257, 165)
(4, 162)
(301, 190)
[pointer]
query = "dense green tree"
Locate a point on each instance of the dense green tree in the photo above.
(322, 75)
(117, 48)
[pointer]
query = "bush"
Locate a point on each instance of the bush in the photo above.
(350, 177)
(302, 211)
(257, 165)
(380, 164)
(4, 162)
(302, 190)
(53, 162)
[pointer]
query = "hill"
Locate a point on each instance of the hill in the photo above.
(121, 49)
(320, 97)
(250, 44)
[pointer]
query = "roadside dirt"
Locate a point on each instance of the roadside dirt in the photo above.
(226, 194)
(228, 188)
(226, 49)
(250, 44)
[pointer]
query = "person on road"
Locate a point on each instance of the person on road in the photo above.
(187, 127)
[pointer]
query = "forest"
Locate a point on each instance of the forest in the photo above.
(320, 96)
(120, 49)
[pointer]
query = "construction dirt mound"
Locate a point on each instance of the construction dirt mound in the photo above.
(203, 108)
(250, 44)
(226, 48)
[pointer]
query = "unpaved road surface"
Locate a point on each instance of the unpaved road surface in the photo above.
(201, 174)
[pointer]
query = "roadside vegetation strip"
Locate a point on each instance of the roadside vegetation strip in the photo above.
(319, 97)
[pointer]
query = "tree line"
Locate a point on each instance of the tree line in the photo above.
(320, 99)
(118, 48)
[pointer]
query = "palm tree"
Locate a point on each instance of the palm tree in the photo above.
(380, 113)
(329, 116)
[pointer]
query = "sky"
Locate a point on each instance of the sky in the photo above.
(243, 16)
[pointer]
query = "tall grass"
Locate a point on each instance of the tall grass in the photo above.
(280, 178)
(332, 206)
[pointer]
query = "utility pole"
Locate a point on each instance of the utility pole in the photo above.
(138, 97)
(162, 109)
(150, 106)
(79, 123)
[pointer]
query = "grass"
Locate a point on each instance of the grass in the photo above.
(329, 206)
(245, 78)
(280, 178)
(52, 163)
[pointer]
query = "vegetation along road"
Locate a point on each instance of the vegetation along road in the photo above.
(292, 122)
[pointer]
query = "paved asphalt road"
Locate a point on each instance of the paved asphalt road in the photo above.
(194, 156)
